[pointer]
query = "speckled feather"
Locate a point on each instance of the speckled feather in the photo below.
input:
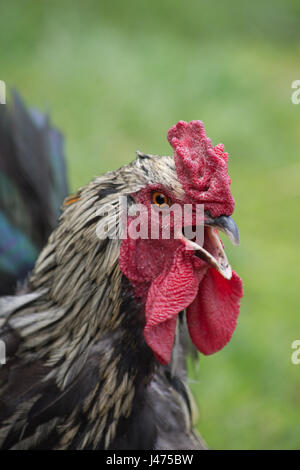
(79, 374)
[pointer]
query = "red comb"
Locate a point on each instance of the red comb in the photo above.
(201, 168)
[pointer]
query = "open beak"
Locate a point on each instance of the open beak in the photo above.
(212, 250)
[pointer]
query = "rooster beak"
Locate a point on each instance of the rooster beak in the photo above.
(214, 253)
(227, 225)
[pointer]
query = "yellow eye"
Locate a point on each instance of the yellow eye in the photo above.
(160, 199)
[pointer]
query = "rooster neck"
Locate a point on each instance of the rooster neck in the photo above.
(95, 363)
(86, 310)
(98, 339)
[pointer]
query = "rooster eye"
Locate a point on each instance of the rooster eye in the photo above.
(160, 199)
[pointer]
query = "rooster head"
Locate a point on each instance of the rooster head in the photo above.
(175, 273)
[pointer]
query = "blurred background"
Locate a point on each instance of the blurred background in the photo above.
(115, 76)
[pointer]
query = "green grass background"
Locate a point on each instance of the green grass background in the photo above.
(115, 76)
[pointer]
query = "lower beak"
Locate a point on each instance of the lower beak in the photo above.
(214, 253)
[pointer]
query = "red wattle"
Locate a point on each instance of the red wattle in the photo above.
(212, 317)
(170, 293)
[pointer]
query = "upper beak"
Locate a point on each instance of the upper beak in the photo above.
(227, 225)
(214, 253)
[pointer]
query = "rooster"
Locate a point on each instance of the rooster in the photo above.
(95, 342)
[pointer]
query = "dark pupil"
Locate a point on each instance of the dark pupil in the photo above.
(160, 199)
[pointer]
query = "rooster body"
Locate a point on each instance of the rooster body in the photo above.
(79, 374)
(90, 362)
